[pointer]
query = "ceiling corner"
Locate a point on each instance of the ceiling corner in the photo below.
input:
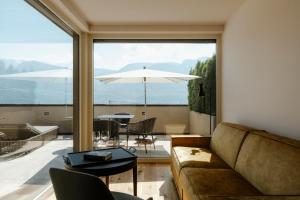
(68, 13)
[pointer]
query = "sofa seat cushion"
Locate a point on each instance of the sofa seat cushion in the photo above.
(195, 157)
(199, 183)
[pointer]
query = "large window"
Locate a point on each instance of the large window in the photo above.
(36, 97)
(145, 90)
(177, 57)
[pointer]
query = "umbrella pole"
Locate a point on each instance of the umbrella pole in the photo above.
(145, 98)
(66, 104)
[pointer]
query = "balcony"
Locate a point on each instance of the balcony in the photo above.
(170, 120)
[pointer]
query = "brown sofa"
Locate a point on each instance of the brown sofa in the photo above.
(237, 162)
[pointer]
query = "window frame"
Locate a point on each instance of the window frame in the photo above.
(195, 41)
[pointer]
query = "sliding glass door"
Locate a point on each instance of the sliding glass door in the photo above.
(37, 63)
(151, 89)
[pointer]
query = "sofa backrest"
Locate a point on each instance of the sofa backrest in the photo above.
(271, 163)
(226, 141)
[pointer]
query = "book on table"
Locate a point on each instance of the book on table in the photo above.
(119, 154)
(97, 156)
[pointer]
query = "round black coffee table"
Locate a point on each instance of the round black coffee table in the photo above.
(111, 168)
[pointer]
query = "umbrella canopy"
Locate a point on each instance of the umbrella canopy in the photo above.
(145, 76)
(151, 76)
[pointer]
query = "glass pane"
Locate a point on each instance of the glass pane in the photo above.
(36, 64)
(149, 90)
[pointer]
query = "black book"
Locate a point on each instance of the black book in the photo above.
(97, 156)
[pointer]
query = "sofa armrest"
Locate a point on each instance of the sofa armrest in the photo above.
(190, 141)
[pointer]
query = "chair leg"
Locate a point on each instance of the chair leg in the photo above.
(145, 147)
(153, 141)
(127, 140)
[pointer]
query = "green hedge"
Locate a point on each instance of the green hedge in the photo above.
(207, 71)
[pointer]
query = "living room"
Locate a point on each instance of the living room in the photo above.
(253, 151)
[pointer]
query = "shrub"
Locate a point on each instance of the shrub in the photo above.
(207, 72)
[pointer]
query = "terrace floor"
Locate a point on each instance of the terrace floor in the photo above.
(161, 151)
(27, 177)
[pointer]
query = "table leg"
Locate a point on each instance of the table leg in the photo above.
(134, 180)
(107, 181)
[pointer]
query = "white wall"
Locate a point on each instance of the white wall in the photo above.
(199, 123)
(261, 66)
(35, 115)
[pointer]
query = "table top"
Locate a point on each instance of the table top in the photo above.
(116, 165)
(115, 117)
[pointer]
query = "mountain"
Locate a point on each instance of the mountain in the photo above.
(18, 66)
(183, 67)
(102, 71)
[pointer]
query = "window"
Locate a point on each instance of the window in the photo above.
(36, 102)
(177, 57)
(137, 81)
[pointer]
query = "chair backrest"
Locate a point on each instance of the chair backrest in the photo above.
(110, 126)
(148, 125)
(97, 125)
(142, 127)
(70, 185)
(123, 121)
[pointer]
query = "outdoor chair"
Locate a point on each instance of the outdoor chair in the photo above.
(107, 127)
(71, 185)
(142, 129)
(123, 122)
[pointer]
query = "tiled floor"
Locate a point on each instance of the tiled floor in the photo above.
(27, 176)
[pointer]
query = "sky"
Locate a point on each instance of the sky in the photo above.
(117, 55)
(27, 35)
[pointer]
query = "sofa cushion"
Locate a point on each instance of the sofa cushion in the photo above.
(226, 141)
(195, 157)
(198, 183)
(271, 163)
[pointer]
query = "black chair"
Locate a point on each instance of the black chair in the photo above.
(144, 129)
(110, 127)
(97, 129)
(70, 185)
(123, 122)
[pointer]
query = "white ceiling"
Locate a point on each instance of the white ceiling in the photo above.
(153, 12)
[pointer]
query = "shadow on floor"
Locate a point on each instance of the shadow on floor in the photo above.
(39, 181)
(42, 176)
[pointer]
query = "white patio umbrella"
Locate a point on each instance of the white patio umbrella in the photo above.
(46, 74)
(145, 76)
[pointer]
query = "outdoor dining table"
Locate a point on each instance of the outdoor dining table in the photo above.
(107, 117)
